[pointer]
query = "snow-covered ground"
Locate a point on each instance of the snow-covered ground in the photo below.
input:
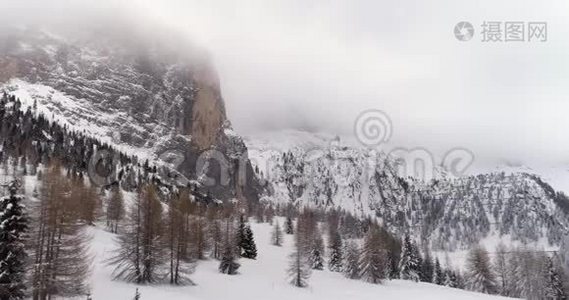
(264, 278)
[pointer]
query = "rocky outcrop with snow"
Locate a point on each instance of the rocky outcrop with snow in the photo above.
(448, 213)
(149, 97)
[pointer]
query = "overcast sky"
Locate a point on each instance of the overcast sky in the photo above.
(315, 65)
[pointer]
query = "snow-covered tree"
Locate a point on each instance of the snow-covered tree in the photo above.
(13, 225)
(553, 284)
(248, 245)
(351, 263)
(335, 246)
(480, 276)
(438, 275)
(373, 261)
(317, 253)
(409, 265)
(245, 239)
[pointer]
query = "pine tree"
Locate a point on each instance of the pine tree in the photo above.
(228, 264)
(289, 227)
(417, 262)
(317, 253)
(393, 264)
(409, 264)
(451, 279)
(245, 239)
(13, 225)
(351, 263)
(335, 246)
(373, 262)
(240, 237)
(438, 275)
(248, 244)
(136, 295)
(277, 235)
(448, 277)
(480, 277)
(553, 284)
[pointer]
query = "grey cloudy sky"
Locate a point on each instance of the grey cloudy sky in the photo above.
(316, 65)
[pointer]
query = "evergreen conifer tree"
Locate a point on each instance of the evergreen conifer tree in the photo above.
(438, 275)
(248, 245)
(336, 257)
(317, 253)
(351, 263)
(409, 264)
(481, 277)
(373, 262)
(13, 225)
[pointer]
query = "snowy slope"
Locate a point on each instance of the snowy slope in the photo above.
(264, 278)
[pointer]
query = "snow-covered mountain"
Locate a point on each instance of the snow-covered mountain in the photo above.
(447, 212)
(161, 100)
(146, 96)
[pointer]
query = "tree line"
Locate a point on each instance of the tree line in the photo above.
(373, 255)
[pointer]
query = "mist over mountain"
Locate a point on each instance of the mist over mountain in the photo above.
(151, 135)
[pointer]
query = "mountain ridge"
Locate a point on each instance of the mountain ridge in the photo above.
(447, 212)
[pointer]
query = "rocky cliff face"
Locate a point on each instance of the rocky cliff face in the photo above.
(447, 213)
(155, 99)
